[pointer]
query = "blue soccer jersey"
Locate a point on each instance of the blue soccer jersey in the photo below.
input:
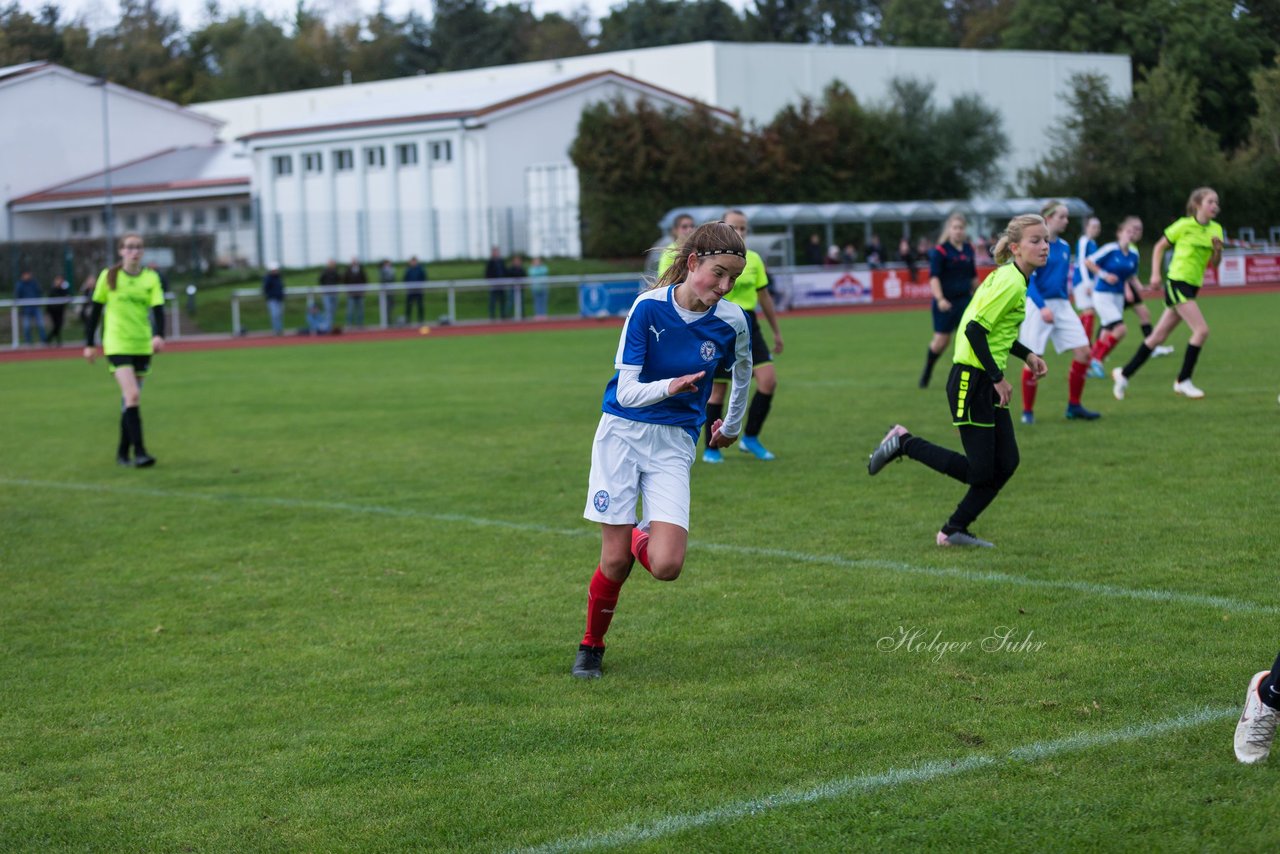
(1050, 281)
(662, 345)
(1112, 259)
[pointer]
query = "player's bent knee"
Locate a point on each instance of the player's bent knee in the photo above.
(666, 570)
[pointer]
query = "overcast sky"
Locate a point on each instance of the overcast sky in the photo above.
(99, 14)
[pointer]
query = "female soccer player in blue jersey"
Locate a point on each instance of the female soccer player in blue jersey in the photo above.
(1113, 268)
(1082, 278)
(675, 337)
(133, 331)
(977, 390)
(1197, 245)
(1050, 317)
(953, 276)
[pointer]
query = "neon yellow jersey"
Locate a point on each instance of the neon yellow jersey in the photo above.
(668, 258)
(999, 305)
(126, 325)
(1192, 248)
(746, 290)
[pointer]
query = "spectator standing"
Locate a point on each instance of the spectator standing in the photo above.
(387, 276)
(31, 316)
(355, 275)
(414, 273)
(539, 288)
(813, 252)
(496, 268)
(273, 292)
(907, 257)
(61, 289)
(329, 281)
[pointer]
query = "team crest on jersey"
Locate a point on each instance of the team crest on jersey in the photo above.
(708, 351)
(601, 501)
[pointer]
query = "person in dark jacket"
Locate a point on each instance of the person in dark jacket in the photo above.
(273, 291)
(414, 272)
(496, 268)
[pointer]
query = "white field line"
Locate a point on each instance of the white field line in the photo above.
(1111, 591)
(640, 832)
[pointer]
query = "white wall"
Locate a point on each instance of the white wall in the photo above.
(59, 136)
(756, 80)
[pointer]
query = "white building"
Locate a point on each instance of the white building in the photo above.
(753, 80)
(53, 133)
(444, 173)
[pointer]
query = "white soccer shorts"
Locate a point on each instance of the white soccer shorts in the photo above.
(1066, 330)
(634, 461)
(1083, 295)
(1109, 307)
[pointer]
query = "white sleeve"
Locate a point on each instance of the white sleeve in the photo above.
(633, 394)
(737, 407)
(1086, 277)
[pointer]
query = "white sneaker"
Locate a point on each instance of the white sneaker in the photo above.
(1121, 383)
(1162, 350)
(1257, 725)
(1188, 389)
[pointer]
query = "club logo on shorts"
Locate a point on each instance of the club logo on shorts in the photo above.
(708, 351)
(601, 501)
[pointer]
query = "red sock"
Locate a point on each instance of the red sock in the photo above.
(1106, 343)
(1028, 390)
(602, 598)
(1075, 381)
(640, 547)
(1087, 320)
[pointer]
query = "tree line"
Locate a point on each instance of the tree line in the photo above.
(636, 161)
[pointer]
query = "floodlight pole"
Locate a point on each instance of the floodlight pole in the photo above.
(110, 223)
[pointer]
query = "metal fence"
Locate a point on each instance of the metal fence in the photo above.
(27, 319)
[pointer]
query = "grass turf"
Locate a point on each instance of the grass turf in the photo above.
(341, 611)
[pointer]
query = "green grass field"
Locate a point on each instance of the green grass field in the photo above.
(340, 614)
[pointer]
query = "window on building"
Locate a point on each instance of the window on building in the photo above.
(197, 218)
(442, 152)
(312, 161)
(246, 213)
(80, 225)
(407, 154)
(343, 160)
(223, 215)
(281, 165)
(131, 221)
(175, 218)
(375, 157)
(153, 220)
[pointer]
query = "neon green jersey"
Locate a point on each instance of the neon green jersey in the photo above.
(668, 257)
(746, 290)
(1192, 248)
(126, 325)
(999, 305)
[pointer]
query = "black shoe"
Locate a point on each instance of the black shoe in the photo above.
(142, 461)
(889, 450)
(122, 460)
(587, 664)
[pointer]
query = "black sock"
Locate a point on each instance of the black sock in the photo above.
(122, 449)
(757, 412)
(1146, 329)
(1189, 362)
(133, 425)
(714, 411)
(930, 359)
(1138, 360)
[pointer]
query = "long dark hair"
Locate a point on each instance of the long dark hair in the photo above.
(114, 270)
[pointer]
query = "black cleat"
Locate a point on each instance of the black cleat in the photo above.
(142, 461)
(587, 664)
(889, 450)
(122, 460)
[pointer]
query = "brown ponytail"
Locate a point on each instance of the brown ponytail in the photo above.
(711, 238)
